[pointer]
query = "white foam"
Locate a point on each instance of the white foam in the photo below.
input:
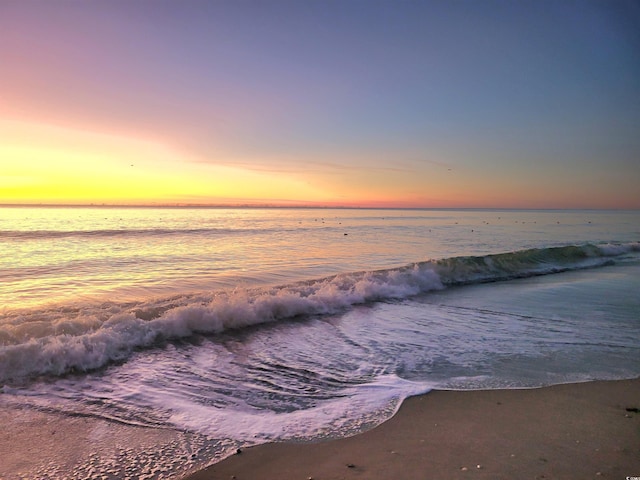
(124, 329)
(346, 414)
(615, 249)
(57, 341)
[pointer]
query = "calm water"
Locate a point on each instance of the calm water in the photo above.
(232, 327)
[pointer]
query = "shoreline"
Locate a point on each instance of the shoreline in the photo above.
(568, 431)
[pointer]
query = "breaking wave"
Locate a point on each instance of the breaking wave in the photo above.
(57, 341)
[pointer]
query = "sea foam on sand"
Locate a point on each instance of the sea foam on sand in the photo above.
(571, 431)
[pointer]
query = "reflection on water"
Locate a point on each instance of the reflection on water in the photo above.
(70, 254)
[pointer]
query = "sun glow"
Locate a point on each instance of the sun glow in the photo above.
(45, 164)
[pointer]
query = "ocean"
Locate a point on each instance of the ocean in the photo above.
(214, 329)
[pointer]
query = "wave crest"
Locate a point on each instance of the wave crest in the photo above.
(64, 340)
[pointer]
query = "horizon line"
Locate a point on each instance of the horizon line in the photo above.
(294, 206)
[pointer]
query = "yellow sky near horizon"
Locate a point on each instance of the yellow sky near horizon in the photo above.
(48, 164)
(43, 164)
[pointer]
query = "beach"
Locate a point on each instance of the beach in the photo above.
(359, 240)
(571, 431)
(135, 346)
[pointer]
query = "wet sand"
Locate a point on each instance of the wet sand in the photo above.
(576, 431)
(46, 445)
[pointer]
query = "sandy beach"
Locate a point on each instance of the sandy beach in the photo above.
(574, 431)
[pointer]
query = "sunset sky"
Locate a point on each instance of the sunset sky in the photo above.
(337, 102)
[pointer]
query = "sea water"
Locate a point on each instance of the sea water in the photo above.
(233, 327)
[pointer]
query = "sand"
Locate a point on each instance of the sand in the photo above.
(576, 431)
(37, 444)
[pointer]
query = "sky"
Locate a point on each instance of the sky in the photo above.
(512, 104)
